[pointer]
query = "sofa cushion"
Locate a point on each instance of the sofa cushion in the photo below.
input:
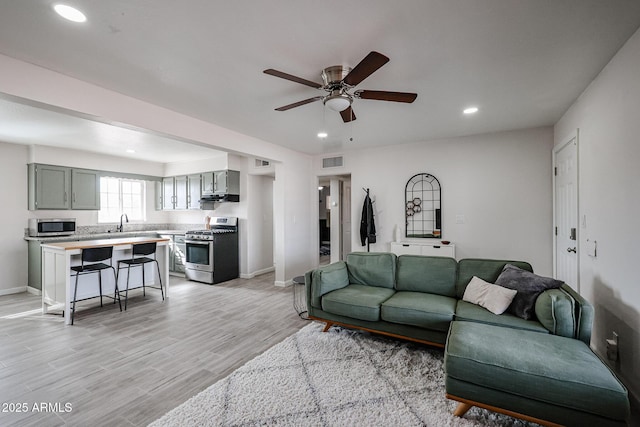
(494, 298)
(541, 367)
(529, 287)
(419, 309)
(328, 278)
(555, 309)
(435, 275)
(466, 311)
(372, 269)
(486, 269)
(357, 301)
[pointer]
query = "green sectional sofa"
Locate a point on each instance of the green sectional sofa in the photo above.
(540, 369)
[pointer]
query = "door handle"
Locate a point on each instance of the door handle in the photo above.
(571, 250)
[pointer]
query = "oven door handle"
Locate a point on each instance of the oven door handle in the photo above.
(197, 242)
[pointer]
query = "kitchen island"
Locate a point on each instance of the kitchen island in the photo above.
(58, 258)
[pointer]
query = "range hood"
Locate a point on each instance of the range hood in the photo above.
(210, 198)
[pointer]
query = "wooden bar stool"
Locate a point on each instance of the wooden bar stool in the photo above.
(142, 251)
(91, 262)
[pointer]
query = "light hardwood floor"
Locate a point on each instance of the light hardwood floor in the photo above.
(129, 368)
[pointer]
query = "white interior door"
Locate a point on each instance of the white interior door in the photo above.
(566, 212)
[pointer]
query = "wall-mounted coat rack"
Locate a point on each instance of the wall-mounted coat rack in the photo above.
(367, 223)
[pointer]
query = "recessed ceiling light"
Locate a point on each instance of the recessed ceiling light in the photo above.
(470, 110)
(70, 13)
(322, 135)
(130, 150)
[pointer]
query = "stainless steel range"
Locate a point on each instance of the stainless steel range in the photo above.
(212, 255)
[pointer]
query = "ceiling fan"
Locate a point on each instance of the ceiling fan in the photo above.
(338, 81)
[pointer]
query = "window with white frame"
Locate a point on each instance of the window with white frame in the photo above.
(120, 195)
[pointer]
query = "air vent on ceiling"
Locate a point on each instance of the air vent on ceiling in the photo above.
(262, 163)
(332, 162)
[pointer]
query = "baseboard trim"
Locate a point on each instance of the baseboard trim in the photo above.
(281, 284)
(34, 291)
(257, 273)
(13, 290)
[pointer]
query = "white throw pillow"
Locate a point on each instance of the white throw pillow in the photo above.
(494, 298)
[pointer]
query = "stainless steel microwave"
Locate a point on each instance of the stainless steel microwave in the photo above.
(49, 227)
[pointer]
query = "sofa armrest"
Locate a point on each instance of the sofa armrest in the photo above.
(564, 312)
(325, 279)
(584, 315)
(555, 309)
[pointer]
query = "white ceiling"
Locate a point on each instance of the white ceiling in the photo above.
(522, 62)
(24, 123)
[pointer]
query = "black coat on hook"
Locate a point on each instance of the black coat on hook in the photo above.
(367, 224)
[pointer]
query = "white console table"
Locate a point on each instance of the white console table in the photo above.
(424, 248)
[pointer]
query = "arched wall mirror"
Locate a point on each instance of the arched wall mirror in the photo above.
(422, 204)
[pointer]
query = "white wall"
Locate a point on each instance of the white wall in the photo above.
(606, 115)
(259, 224)
(13, 216)
(500, 182)
(297, 217)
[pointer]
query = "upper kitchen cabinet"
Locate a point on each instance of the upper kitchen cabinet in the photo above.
(188, 191)
(181, 192)
(59, 188)
(221, 182)
(159, 196)
(85, 189)
(168, 196)
(194, 191)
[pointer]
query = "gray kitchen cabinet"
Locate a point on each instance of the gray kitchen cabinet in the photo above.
(179, 253)
(85, 189)
(49, 187)
(180, 191)
(175, 192)
(185, 191)
(168, 198)
(207, 183)
(194, 191)
(34, 262)
(34, 258)
(60, 188)
(221, 182)
(176, 252)
(158, 196)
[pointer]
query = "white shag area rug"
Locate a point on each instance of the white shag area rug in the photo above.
(337, 378)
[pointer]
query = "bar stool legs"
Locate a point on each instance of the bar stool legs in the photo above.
(91, 262)
(141, 264)
(143, 250)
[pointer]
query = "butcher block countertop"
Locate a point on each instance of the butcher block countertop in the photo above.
(84, 244)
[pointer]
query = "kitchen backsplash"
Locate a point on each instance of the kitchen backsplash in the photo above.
(97, 229)
(128, 227)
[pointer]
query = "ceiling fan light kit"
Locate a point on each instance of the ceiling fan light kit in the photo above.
(338, 102)
(339, 80)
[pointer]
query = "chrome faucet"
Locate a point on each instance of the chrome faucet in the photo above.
(126, 218)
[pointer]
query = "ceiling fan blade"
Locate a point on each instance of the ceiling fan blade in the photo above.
(348, 115)
(382, 95)
(286, 76)
(365, 68)
(299, 103)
